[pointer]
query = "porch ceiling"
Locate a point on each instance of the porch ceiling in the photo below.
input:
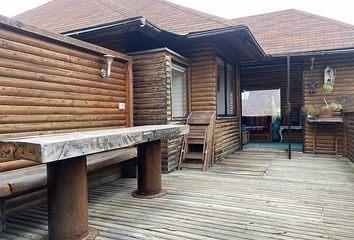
(250, 195)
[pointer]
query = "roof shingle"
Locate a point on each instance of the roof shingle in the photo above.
(67, 15)
(288, 31)
(291, 31)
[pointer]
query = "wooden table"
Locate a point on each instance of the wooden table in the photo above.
(328, 121)
(65, 156)
(286, 127)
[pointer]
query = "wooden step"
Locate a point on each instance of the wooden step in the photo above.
(192, 165)
(195, 141)
(195, 136)
(194, 155)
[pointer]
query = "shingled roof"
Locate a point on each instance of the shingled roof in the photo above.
(68, 15)
(288, 31)
(292, 31)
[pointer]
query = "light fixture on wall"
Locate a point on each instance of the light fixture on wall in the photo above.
(105, 73)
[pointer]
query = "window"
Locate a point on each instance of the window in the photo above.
(179, 91)
(226, 88)
(261, 103)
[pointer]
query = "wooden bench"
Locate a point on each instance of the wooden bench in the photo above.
(259, 127)
(25, 187)
(66, 155)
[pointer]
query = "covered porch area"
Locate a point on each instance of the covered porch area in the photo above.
(272, 97)
(249, 195)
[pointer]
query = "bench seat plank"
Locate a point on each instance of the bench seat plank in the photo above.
(25, 179)
(11, 165)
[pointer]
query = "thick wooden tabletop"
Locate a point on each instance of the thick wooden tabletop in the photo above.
(53, 147)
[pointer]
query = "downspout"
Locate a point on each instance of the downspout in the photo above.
(288, 107)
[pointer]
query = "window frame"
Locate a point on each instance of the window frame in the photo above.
(225, 80)
(186, 67)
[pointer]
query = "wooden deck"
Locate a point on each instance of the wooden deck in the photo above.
(250, 195)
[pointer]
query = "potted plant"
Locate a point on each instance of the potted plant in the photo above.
(310, 111)
(336, 107)
(326, 110)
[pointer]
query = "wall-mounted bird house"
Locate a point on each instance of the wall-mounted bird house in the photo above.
(329, 75)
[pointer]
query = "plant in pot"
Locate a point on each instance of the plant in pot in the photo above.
(336, 107)
(326, 110)
(310, 111)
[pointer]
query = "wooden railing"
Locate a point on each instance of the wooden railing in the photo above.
(349, 133)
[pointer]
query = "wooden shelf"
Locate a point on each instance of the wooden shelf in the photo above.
(325, 120)
(335, 121)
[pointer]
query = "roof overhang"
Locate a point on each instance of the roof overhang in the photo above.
(120, 27)
(241, 33)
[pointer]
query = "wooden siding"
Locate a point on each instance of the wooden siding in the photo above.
(149, 88)
(49, 84)
(342, 93)
(227, 137)
(203, 72)
(173, 151)
(152, 74)
(150, 93)
(349, 134)
(350, 129)
(202, 76)
(174, 145)
(152, 96)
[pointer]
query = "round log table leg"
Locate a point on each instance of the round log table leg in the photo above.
(149, 171)
(68, 200)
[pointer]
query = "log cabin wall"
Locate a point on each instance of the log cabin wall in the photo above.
(203, 74)
(174, 145)
(227, 137)
(149, 88)
(152, 73)
(202, 93)
(273, 75)
(349, 134)
(342, 93)
(51, 83)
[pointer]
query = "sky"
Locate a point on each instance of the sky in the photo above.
(341, 10)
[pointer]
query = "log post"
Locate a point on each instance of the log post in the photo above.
(2, 215)
(149, 171)
(345, 135)
(68, 200)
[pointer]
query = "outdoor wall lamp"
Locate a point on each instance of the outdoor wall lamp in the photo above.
(105, 73)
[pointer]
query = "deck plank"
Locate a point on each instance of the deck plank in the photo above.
(249, 195)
